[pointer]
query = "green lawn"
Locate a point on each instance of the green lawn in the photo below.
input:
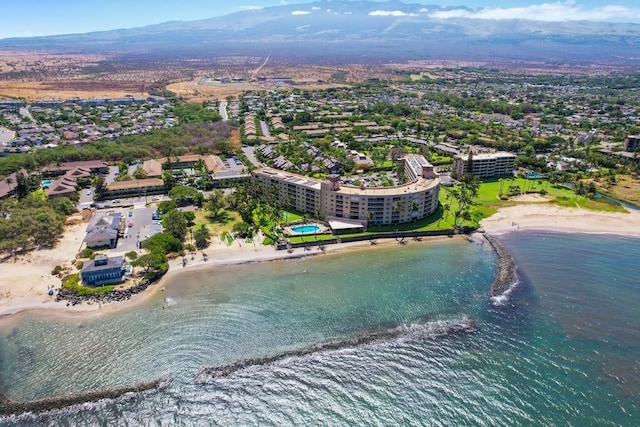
(291, 216)
(558, 194)
(224, 223)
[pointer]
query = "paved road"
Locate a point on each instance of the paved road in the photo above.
(264, 127)
(223, 111)
(249, 151)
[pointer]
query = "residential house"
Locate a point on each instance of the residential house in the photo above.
(104, 230)
(103, 271)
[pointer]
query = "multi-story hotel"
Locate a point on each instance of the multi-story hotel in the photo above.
(485, 165)
(416, 199)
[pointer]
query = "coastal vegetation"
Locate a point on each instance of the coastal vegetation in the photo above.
(30, 223)
(72, 284)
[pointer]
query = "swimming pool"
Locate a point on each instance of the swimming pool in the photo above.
(305, 228)
(47, 183)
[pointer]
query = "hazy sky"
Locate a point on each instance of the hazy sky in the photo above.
(24, 18)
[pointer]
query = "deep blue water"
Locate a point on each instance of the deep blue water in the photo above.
(565, 351)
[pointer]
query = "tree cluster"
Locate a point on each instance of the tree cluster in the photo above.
(31, 223)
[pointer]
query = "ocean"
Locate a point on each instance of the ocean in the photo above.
(565, 350)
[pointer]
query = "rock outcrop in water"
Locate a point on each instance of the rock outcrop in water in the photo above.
(9, 407)
(431, 330)
(506, 276)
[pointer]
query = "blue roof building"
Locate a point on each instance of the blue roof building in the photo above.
(103, 271)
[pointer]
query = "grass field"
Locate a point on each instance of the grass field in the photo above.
(225, 223)
(488, 195)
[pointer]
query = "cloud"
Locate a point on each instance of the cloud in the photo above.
(251, 7)
(315, 8)
(300, 12)
(549, 12)
(423, 10)
(390, 13)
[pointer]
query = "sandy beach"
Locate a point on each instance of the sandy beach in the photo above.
(534, 213)
(24, 282)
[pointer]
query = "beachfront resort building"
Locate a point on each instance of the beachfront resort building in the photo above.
(414, 200)
(103, 271)
(484, 165)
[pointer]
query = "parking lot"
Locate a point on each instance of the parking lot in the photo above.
(135, 220)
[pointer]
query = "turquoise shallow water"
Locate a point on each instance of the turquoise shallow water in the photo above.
(565, 352)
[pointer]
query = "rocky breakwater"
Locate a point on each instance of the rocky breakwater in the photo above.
(11, 408)
(506, 277)
(430, 330)
(73, 298)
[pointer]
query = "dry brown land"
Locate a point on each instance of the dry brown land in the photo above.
(43, 75)
(38, 75)
(627, 189)
(30, 91)
(45, 62)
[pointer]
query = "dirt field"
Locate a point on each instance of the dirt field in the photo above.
(65, 90)
(42, 75)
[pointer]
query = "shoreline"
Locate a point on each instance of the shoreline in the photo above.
(24, 283)
(220, 257)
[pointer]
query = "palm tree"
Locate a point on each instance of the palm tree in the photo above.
(398, 206)
(414, 206)
(370, 216)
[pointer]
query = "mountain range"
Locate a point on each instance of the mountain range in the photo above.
(359, 31)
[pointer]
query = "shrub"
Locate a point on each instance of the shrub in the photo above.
(56, 270)
(86, 253)
(72, 284)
